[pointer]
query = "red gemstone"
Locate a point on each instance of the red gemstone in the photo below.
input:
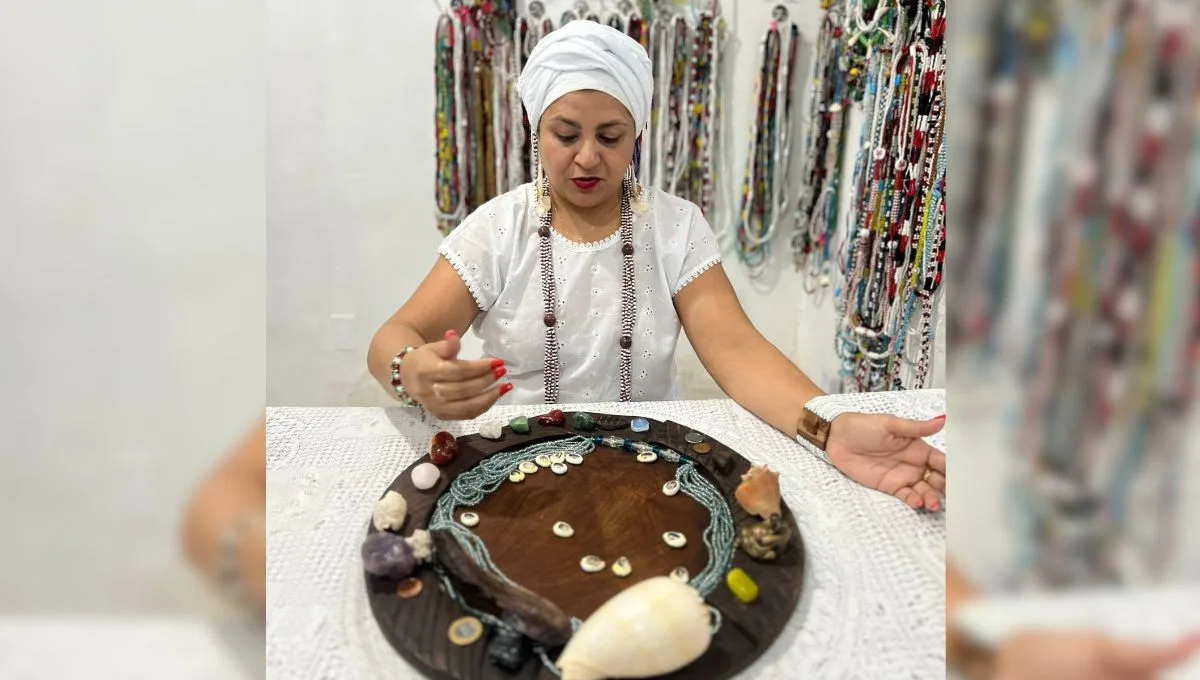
(555, 418)
(444, 449)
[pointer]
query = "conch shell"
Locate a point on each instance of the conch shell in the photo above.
(758, 494)
(650, 629)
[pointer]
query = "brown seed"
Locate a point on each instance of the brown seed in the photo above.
(702, 448)
(410, 588)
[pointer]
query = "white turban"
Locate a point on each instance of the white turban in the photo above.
(585, 55)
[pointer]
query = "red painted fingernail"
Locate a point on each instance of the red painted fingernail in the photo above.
(941, 417)
(933, 506)
(505, 389)
(920, 504)
(500, 372)
(497, 363)
(450, 335)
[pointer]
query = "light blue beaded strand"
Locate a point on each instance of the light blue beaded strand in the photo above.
(469, 489)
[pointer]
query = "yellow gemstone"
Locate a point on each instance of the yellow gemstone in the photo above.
(743, 587)
(854, 72)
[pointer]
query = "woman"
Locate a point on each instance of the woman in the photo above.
(578, 284)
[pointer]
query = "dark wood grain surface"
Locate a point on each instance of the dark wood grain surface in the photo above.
(617, 508)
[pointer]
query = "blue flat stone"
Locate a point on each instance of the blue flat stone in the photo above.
(640, 425)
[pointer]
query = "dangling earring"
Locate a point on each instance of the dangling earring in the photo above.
(541, 183)
(636, 195)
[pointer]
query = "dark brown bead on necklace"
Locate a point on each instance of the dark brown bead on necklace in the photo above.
(552, 370)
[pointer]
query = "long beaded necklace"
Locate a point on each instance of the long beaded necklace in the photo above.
(472, 486)
(817, 208)
(552, 369)
(895, 250)
(769, 146)
(1015, 53)
(1113, 362)
(447, 187)
(696, 176)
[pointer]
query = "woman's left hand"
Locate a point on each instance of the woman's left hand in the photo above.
(887, 454)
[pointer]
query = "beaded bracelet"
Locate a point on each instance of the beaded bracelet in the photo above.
(229, 562)
(401, 394)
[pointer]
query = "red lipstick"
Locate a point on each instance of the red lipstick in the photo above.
(586, 183)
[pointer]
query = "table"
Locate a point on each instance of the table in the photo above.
(138, 647)
(873, 603)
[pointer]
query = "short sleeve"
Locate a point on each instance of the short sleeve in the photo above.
(480, 249)
(700, 253)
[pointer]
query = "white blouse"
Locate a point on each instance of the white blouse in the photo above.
(495, 251)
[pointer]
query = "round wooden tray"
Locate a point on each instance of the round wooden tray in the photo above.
(617, 508)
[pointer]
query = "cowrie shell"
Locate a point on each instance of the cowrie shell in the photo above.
(622, 567)
(559, 468)
(468, 519)
(574, 459)
(563, 530)
(517, 476)
(528, 467)
(671, 488)
(647, 457)
(675, 539)
(542, 460)
(591, 564)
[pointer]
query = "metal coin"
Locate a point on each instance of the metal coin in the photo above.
(693, 437)
(465, 631)
(702, 448)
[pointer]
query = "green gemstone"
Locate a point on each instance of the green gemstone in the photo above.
(520, 425)
(581, 420)
(744, 588)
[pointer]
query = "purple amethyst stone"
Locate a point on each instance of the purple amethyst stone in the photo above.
(387, 555)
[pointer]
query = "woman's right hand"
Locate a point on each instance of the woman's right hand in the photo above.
(448, 387)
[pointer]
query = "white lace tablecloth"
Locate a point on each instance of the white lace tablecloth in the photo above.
(873, 604)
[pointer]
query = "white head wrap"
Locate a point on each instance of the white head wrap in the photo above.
(585, 55)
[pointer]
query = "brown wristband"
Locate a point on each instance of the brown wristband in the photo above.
(813, 429)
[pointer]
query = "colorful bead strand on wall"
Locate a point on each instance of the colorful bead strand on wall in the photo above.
(765, 182)
(1110, 383)
(891, 57)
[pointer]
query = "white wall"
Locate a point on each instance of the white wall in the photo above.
(350, 180)
(131, 290)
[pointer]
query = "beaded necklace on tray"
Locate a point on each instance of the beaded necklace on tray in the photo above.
(769, 142)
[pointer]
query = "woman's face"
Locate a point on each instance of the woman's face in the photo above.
(585, 142)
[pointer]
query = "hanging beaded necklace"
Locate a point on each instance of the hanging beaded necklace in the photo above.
(447, 187)
(1112, 361)
(768, 144)
(895, 247)
(552, 369)
(696, 171)
(816, 213)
